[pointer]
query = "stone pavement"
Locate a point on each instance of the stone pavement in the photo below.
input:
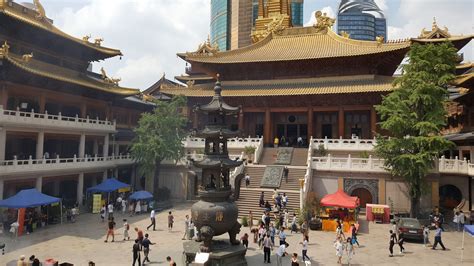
(83, 241)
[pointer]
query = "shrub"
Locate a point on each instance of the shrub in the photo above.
(245, 222)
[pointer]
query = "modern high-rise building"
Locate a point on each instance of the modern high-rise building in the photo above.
(220, 23)
(232, 20)
(362, 19)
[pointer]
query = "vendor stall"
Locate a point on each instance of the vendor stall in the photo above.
(28, 198)
(107, 186)
(378, 213)
(340, 206)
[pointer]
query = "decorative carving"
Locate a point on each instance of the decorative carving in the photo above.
(98, 41)
(206, 48)
(190, 83)
(379, 40)
(435, 32)
(345, 35)
(108, 79)
(27, 57)
(323, 22)
(5, 48)
(41, 14)
(86, 38)
(275, 26)
(272, 176)
(284, 155)
(372, 185)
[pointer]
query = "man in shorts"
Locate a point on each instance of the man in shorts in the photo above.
(170, 221)
(110, 229)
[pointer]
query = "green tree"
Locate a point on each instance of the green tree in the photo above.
(414, 114)
(158, 137)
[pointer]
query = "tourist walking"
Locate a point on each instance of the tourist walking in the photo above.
(339, 231)
(245, 240)
(186, 227)
(393, 240)
(247, 180)
(152, 219)
(102, 213)
(294, 260)
(139, 235)
(170, 221)
(272, 232)
(126, 228)
(285, 173)
(136, 253)
(261, 236)
(354, 235)
(146, 248)
(281, 251)
(110, 229)
(170, 261)
(350, 250)
(401, 240)
(282, 236)
(267, 247)
(124, 206)
(250, 221)
(426, 235)
(304, 251)
(110, 209)
(294, 227)
(261, 201)
(138, 207)
(338, 245)
(437, 238)
(275, 142)
(267, 220)
(285, 200)
(462, 220)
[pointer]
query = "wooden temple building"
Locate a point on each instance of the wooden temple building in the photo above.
(63, 128)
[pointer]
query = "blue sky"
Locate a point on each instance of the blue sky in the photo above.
(151, 32)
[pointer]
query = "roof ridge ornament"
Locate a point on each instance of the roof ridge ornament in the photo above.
(323, 22)
(107, 79)
(5, 48)
(41, 13)
(275, 26)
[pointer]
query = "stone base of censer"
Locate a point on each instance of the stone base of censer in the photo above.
(223, 253)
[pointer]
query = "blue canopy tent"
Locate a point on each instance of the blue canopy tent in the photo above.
(141, 195)
(108, 185)
(467, 229)
(29, 198)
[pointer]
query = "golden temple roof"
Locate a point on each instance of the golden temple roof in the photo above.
(29, 64)
(38, 19)
(310, 86)
(298, 44)
(464, 80)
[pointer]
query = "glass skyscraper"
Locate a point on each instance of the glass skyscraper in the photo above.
(297, 13)
(220, 23)
(362, 19)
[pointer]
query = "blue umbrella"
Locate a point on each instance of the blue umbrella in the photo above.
(141, 195)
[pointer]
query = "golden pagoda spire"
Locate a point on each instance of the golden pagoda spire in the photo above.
(261, 13)
(284, 7)
(275, 20)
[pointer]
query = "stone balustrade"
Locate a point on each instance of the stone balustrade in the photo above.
(233, 143)
(376, 165)
(354, 144)
(58, 122)
(50, 166)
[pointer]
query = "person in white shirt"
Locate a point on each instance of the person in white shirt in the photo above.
(280, 252)
(461, 221)
(119, 202)
(339, 249)
(305, 248)
(247, 180)
(153, 220)
(110, 209)
(267, 247)
(124, 206)
(186, 227)
(286, 218)
(138, 207)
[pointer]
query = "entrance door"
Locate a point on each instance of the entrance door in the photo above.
(292, 131)
(364, 196)
(326, 131)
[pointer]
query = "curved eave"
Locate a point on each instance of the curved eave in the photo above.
(465, 80)
(244, 55)
(85, 82)
(458, 41)
(107, 52)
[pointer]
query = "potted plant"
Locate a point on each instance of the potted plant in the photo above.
(245, 222)
(321, 151)
(249, 152)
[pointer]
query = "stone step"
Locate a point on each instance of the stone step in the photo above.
(249, 201)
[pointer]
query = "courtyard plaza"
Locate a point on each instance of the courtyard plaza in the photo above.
(83, 241)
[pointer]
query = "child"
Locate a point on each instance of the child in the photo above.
(245, 240)
(339, 249)
(426, 235)
(126, 227)
(350, 250)
(170, 221)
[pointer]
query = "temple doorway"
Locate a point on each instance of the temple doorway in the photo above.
(326, 131)
(364, 196)
(449, 196)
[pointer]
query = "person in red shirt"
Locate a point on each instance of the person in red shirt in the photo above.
(139, 235)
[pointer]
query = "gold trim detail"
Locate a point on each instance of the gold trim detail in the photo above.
(323, 22)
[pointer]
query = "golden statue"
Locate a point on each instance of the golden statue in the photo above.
(190, 83)
(27, 57)
(98, 41)
(86, 38)
(276, 25)
(5, 48)
(345, 34)
(379, 40)
(323, 22)
(40, 10)
(108, 79)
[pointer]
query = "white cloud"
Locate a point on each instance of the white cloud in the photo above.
(148, 32)
(312, 20)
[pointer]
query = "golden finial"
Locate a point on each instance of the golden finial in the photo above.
(379, 40)
(345, 34)
(98, 41)
(5, 48)
(435, 25)
(41, 14)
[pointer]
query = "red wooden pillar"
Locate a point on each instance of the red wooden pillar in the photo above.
(341, 122)
(310, 123)
(267, 130)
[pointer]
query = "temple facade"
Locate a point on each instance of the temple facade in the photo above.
(63, 128)
(313, 85)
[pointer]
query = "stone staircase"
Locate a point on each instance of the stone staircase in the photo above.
(298, 159)
(249, 197)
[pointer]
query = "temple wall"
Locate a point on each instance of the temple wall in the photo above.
(175, 179)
